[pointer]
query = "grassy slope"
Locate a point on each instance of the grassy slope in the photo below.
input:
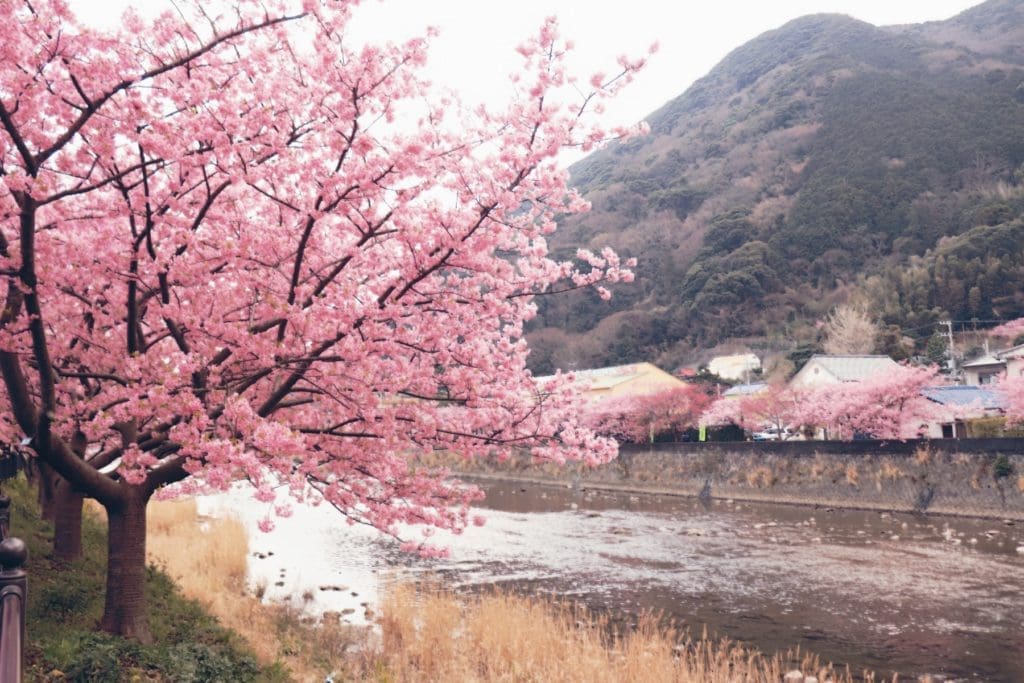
(65, 604)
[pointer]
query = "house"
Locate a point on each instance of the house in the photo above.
(989, 367)
(736, 368)
(635, 379)
(821, 370)
(1014, 357)
(984, 370)
(958, 404)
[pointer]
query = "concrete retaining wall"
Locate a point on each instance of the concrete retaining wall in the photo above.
(975, 477)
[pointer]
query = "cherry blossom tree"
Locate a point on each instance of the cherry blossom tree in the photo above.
(722, 411)
(1012, 388)
(1012, 391)
(1011, 329)
(640, 418)
(777, 406)
(888, 405)
(236, 248)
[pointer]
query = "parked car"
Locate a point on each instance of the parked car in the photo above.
(772, 433)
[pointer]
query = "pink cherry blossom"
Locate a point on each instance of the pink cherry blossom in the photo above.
(885, 406)
(640, 418)
(228, 256)
(1011, 390)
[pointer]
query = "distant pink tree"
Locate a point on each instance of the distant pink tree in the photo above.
(1011, 390)
(722, 411)
(639, 419)
(777, 406)
(237, 248)
(888, 405)
(1011, 329)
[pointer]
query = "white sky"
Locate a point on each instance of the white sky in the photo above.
(475, 50)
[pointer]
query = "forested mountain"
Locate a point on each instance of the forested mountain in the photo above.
(823, 159)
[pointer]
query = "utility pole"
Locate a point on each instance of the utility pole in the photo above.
(952, 348)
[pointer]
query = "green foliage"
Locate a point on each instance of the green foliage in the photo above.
(977, 274)
(727, 232)
(936, 349)
(1002, 467)
(65, 602)
(64, 598)
(992, 428)
(891, 342)
(801, 354)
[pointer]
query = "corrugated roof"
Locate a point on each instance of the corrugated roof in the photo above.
(1012, 352)
(964, 395)
(746, 389)
(984, 361)
(854, 368)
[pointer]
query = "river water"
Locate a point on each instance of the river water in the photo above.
(888, 592)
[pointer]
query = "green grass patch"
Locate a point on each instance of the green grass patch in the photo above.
(65, 603)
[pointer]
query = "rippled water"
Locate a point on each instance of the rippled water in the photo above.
(889, 592)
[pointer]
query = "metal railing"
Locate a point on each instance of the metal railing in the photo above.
(13, 593)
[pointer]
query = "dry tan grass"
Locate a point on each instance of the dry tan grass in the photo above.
(890, 470)
(852, 474)
(427, 633)
(207, 558)
(761, 477)
(1020, 483)
(818, 468)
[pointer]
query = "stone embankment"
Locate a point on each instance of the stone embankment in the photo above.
(968, 477)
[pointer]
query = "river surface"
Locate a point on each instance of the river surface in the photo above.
(888, 592)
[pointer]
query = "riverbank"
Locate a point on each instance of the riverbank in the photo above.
(982, 478)
(907, 593)
(208, 625)
(423, 631)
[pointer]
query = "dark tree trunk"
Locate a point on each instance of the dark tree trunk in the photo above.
(47, 491)
(124, 612)
(62, 505)
(67, 523)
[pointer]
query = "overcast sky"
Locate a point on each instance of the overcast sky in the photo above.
(475, 50)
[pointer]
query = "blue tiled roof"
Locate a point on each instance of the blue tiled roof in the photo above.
(956, 395)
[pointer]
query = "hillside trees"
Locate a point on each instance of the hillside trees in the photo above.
(236, 248)
(977, 274)
(854, 152)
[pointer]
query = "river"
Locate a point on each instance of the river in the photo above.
(888, 592)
